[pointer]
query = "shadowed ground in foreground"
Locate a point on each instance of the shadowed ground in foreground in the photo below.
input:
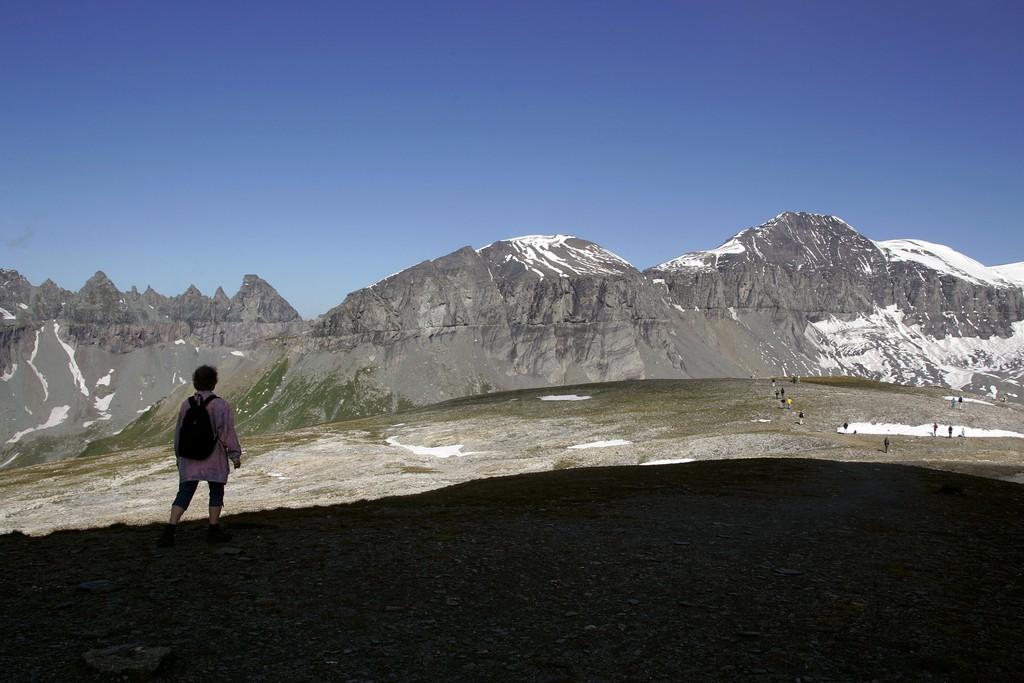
(761, 569)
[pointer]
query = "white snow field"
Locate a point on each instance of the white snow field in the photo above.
(924, 430)
(943, 259)
(1013, 272)
(57, 416)
(669, 461)
(564, 397)
(883, 343)
(76, 372)
(698, 259)
(968, 400)
(602, 444)
(436, 451)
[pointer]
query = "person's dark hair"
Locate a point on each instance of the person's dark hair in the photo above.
(204, 378)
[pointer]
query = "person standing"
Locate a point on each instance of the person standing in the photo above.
(885, 444)
(800, 418)
(960, 402)
(212, 468)
(846, 426)
(935, 429)
(950, 432)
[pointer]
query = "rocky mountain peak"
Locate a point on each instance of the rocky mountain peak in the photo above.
(99, 301)
(97, 283)
(791, 240)
(258, 301)
(14, 290)
(540, 256)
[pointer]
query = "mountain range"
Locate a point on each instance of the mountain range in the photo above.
(802, 294)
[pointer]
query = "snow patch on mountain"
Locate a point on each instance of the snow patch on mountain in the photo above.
(925, 430)
(8, 375)
(39, 375)
(1011, 272)
(561, 255)
(57, 416)
(102, 404)
(436, 451)
(7, 315)
(76, 372)
(705, 259)
(602, 444)
(104, 381)
(883, 346)
(943, 259)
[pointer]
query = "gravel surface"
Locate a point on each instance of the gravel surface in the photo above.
(762, 569)
(517, 432)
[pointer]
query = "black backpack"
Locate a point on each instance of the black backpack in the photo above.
(197, 439)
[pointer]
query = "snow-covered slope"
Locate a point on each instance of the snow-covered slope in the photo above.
(705, 259)
(886, 345)
(941, 258)
(1011, 272)
(554, 256)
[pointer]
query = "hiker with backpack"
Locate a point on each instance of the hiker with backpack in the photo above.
(204, 441)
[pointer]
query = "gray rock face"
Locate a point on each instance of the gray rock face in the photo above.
(256, 302)
(15, 292)
(102, 315)
(525, 312)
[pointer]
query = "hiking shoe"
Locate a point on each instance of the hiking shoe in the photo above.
(216, 534)
(166, 539)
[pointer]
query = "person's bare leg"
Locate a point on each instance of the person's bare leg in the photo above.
(176, 513)
(215, 514)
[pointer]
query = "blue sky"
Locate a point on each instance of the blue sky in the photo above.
(326, 145)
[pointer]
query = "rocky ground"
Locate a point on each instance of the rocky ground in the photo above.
(759, 569)
(518, 432)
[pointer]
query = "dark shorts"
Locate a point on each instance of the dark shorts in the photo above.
(187, 489)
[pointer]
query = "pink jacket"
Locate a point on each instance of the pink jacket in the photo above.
(214, 468)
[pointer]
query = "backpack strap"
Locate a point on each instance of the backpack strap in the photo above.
(208, 399)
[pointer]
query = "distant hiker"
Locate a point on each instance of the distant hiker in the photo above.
(846, 426)
(204, 441)
(885, 444)
(960, 402)
(800, 418)
(963, 431)
(952, 402)
(950, 432)
(782, 392)
(935, 429)
(776, 394)
(789, 404)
